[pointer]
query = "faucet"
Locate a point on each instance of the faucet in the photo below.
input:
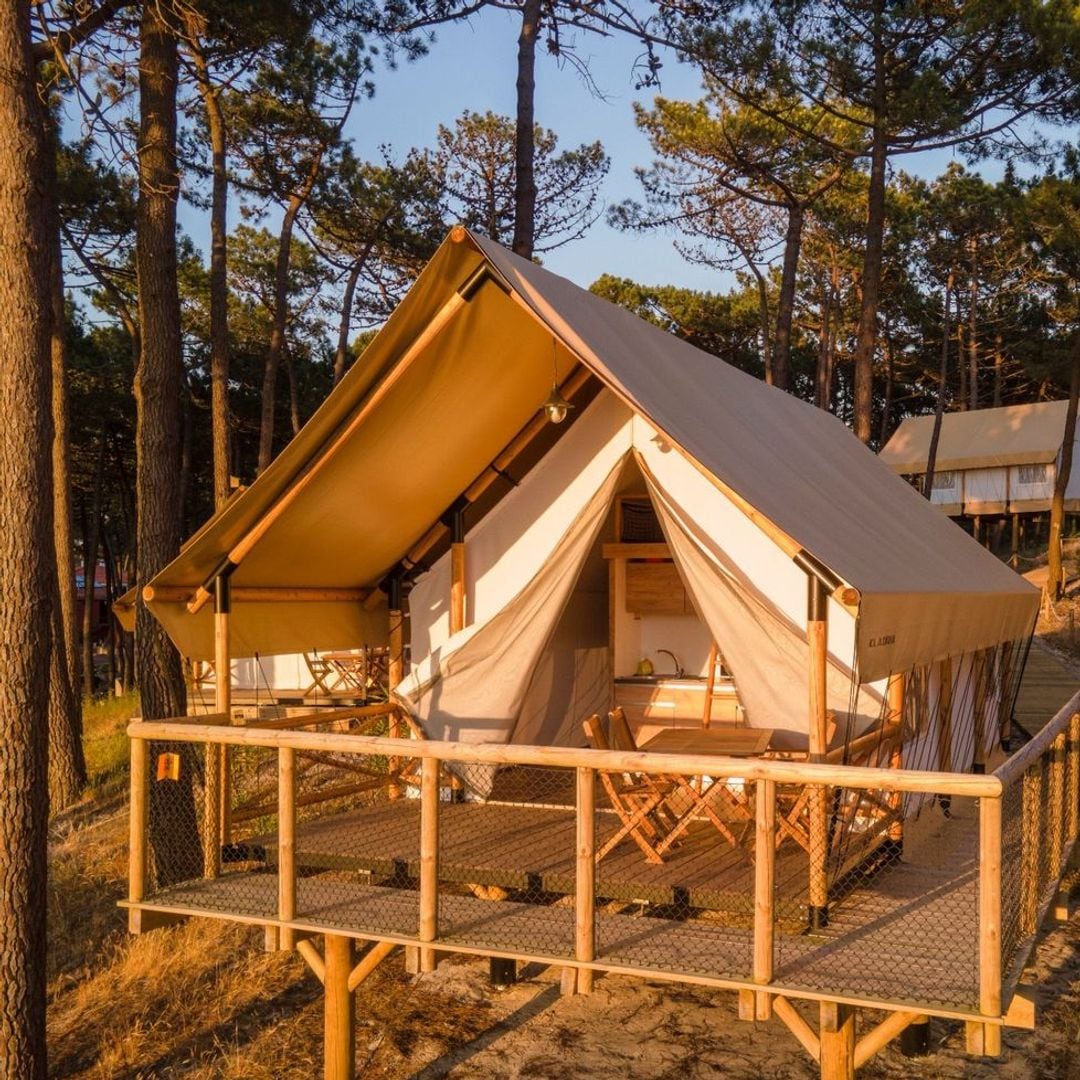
(680, 671)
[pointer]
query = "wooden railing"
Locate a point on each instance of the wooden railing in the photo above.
(1054, 753)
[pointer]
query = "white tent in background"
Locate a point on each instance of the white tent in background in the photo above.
(751, 488)
(989, 461)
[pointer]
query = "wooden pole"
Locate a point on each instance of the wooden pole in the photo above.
(338, 1021)
(895, 699)
(764, 892)
(1031, 829)
(1014, 547)
(395, 669)
(585, 881)
(837, 1041)
(429, 860)
(990, 921)
(137, 824)
(286, 844)
(223, 597)
(457, 568)
(817, 638)
(215, 791)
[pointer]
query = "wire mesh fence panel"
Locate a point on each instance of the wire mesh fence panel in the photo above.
(507, 858)
(674, 876)
(901, 875)
(1015, 841)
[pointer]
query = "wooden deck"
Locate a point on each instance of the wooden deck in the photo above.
(906, 933)
(1047, 685)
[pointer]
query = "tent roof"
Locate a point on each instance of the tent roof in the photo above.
(983, 439)
(459, 369)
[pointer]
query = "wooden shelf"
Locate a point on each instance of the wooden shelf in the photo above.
(636, 551)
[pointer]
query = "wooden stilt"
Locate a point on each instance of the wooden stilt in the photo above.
(817, 637)
(286, 844)
(764, 892)
(429, 859)
(837, 1041)
(585, 880)
(1014, 547)
(339, 1026)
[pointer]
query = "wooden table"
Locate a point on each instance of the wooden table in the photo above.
(722, 741)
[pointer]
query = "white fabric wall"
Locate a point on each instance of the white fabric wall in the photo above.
(285, 671)
(984, 491)
(1031, 497)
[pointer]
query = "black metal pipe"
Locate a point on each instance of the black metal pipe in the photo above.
(223, 590)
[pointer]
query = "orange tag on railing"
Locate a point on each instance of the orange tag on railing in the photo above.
(168, 767)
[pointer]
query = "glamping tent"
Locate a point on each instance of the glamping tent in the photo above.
(990, 461)
(429, 500)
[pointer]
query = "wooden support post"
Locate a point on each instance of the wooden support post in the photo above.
(223, 692)
(286, 844)
(370, 961)
(896, 1023)
(138, 821)
(837, 1041)
(429, 859)
(1031, 832)
(979, 710)
(945, 697)
(456, 521)
(1014, 548)
(817, 638)
(764, 892)
(798, 1027)
(990, 920)
(1072, 798)
(395, 668)
(895, 705)
(585, 880)
(216, 792)
(339, 1026)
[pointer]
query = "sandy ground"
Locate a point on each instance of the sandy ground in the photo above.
(656, 1031)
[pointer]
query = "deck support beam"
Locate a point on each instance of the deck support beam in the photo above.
(338, 1020)
(837, 1041)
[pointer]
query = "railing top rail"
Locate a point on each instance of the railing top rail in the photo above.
(785, 772)
(1014, 766)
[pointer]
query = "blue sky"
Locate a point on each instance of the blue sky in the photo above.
(473, 66)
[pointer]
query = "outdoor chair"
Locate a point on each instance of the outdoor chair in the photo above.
(637, 800)
(687, 798)
(323, 675)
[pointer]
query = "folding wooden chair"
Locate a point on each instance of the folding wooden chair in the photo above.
(636, 801)
(697, 799)
(321, 671)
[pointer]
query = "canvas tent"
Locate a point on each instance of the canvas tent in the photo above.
(751, 486)
(989, 461)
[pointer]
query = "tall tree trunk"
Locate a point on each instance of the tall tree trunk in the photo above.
(91, 544)
(785, 306)
(67, 764)
(219, 287)
(1055, 576)
(973, 339)
(281, 314)
(943, 383)
(866, 337)
(821, 375)
(341, 353)
(158, 388)
(525, 136)
(294, 394)
(999, 364)
(961, 367)
(27, 551)
(886, 408)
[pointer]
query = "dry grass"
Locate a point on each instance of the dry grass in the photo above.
(201, 999)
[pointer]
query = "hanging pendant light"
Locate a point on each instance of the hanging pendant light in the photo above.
(555, 405)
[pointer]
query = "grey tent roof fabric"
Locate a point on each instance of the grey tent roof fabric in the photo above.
(798, 465)
(437, 401)
(984, 439)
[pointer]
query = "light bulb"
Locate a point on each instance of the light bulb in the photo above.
(556, 406)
